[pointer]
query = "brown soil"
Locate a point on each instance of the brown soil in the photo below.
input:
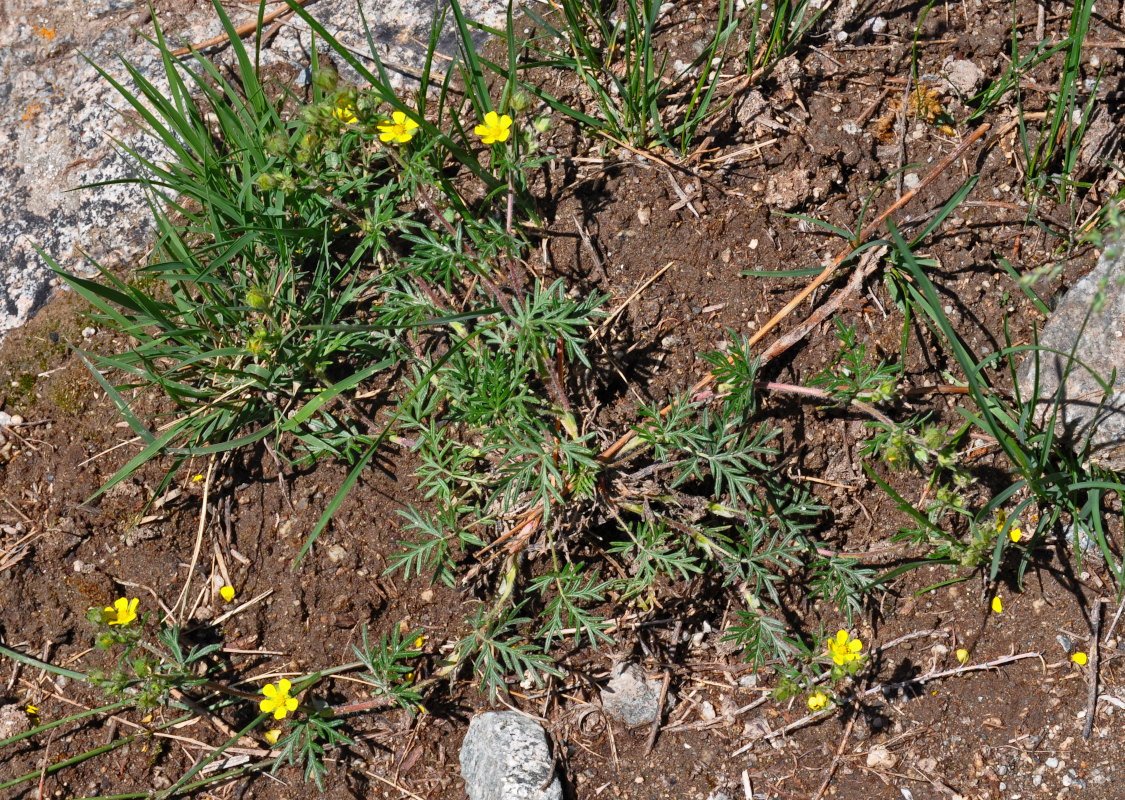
(984, 734)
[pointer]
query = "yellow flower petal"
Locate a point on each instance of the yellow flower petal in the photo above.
(1015, 534)
(997, 605)
(962, 656)
(1079, 659)
(227, 593)
(273, 735)
(496, 128)
(122, 612)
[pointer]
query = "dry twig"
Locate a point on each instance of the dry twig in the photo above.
(1092, 677)
(663, 693)
(241, 30)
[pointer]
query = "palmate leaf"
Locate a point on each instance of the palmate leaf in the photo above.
(573, 592)
(496, 649)
(762, 638)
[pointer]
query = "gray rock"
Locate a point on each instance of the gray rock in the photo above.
(13, 720)
(1093, 314)
(505, 756)
(631, 696)
(965, 77)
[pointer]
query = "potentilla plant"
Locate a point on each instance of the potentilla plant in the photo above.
(143, 671)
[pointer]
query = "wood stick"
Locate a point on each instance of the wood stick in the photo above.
(836, 759)
(1092, 696)
(663, 693)
(241, 30)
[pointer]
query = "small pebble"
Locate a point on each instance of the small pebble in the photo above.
(88, 332)
(1052, 763)
(1064, 643)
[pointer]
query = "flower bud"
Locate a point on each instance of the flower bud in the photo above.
(256, 300)
(326, 78)
(277, 144)
(266, 181)
(520, 101)
(312, 115)
(542, 124)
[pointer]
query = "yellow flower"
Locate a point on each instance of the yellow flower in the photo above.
(997, 605)
(818, 701)
(273, 735)
(1015, 533)
(227, 593)
(399, 130)
(33, 711)
(122, 612)
(197, 478)
(844, 649)
(495, 128)
(962, 656)
(277, 699)
(345, 113)
(1079, 659)
(421, 640)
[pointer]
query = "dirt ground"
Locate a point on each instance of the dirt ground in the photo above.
(1011, 731)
